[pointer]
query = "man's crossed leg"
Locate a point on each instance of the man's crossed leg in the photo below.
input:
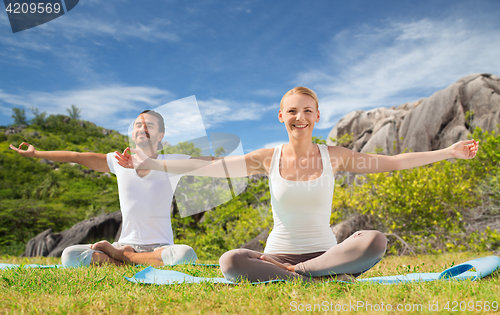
(118, 254)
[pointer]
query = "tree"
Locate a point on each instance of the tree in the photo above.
(19, 116)
(74, 112)
(39, 118)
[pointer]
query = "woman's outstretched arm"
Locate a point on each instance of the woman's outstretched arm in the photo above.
(347, 160)
(235, 166)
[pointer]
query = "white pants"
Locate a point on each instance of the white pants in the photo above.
(81, 255)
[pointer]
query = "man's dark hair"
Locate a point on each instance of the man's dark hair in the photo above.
(157, 115)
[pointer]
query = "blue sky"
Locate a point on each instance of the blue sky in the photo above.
(114, 58)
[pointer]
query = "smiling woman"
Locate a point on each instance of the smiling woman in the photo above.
(301, 180)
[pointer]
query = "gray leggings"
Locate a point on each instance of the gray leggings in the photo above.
(81, 255)
(355, 255)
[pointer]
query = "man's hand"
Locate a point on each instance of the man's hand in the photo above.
(131, 161)
(95, 161)
(464, 149)
(29, 152)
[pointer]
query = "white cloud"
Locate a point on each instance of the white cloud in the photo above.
(24, 43)
(183, 121)
(268, 92)
(100, 105)
(117, 106)
(217, 111)
(400, 62)
(4, 20)
(7, 111)
(46, 38)
(82, 26)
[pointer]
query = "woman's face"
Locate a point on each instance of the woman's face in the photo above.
(299, 114)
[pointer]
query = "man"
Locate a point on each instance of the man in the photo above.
(145, 200)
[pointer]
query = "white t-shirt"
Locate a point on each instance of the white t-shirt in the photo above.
(145, 202)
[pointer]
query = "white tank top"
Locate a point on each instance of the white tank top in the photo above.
(301, 210)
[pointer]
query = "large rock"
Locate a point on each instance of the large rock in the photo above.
(348, 227)
(256, 243)
(106, 226)
(444, 118)
(14, 130)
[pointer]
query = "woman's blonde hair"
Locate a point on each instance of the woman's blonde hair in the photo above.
(300, 90)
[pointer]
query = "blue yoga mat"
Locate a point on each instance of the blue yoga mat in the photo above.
(10, 266)
(483, 266)
(151, 275)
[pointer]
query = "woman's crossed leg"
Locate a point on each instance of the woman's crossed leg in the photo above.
(355, 255)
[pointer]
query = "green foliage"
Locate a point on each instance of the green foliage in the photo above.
(469, 118)
(422, 203)
(488, 156)
(19, 116)
(345, 140)
(468, 115)
(228, 226)
(38, 118)
(219, 151)
(318, 140)
(21, 219)
(188, 148)
(36, 196)
(74, 112)
(429, 207)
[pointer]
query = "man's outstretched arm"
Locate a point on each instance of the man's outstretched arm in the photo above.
(95, 161)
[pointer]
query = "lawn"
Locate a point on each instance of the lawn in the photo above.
(96, 290)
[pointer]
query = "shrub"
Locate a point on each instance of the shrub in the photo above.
(427, 207)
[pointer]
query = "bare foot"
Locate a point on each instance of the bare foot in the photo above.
(286, 267)
(100, 259)
(113, 252)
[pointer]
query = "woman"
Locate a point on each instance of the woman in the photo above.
(301, 180)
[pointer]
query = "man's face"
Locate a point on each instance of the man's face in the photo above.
(146, 132)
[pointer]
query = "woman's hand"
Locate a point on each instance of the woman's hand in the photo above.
(464, 149)
(29, 152)
(286, 267)
(131, 161)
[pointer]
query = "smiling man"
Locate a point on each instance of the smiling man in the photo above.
(145, 201)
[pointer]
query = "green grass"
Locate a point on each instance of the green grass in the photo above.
(97, 290)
